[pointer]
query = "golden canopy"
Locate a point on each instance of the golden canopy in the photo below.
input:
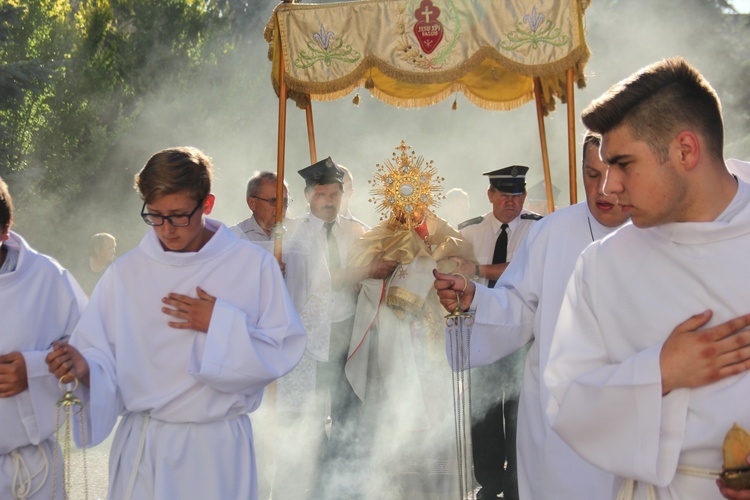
(412, 53)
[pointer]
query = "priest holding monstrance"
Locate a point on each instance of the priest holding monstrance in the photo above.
(396, 363)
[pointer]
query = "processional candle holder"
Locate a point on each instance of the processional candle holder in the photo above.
(69, 406)
(458, 326)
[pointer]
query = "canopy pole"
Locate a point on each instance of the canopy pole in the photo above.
(278, 228)
(543, 142)
(572, 176)
(281, 148)
(311, 133)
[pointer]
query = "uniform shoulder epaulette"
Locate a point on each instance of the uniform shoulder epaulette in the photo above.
(471, 222)
(532, 216)
(354, 219)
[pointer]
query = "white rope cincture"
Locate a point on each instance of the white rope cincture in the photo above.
(630, 486)
(22, 478)
(138, 455)
(698, 472)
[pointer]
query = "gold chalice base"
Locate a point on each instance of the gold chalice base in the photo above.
(737, 479)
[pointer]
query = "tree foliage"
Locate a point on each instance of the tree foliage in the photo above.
(33, 40)
(77, 78)
(75, 74)
(79, 74)
(89, 88)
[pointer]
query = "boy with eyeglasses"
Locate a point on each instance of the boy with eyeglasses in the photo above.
(181, 337)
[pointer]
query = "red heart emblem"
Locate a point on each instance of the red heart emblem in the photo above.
(428, 30)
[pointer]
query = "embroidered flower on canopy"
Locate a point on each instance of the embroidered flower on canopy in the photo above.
(541, 31)
(534, 19)
(329, 48)
(324, 37)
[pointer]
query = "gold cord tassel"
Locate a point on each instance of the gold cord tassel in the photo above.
(356, 99)
(454, 107)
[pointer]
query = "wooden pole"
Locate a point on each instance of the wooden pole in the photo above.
(281, 148)
(266, 446)
(311, 133)
(572, 176)
(543, 142)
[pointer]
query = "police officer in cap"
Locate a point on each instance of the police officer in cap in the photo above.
(507, 194)
(496, 387)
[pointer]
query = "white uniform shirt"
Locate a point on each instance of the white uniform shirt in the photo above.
(627, 294)
(41, 304)
(483, 235)
(346, 231)
(182, 389)
(250, 230)
(524, 306)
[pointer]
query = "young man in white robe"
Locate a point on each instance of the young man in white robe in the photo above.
(41, 304)
(637, 389)
(181, 336)
(523, 306)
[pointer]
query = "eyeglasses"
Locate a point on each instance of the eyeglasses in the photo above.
(177, 220)
(272, 201)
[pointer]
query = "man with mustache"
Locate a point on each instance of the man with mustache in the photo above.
(322, 368)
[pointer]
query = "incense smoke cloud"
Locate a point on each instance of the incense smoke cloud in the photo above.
(463, 143)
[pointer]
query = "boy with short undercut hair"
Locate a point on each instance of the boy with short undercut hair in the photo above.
(182, 335)
(636, 389)
(41, 304)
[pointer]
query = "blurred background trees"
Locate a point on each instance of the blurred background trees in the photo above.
(89, 89)
(75, 80)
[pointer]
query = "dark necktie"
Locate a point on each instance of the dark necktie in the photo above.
(501, 250)
(334, 260)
